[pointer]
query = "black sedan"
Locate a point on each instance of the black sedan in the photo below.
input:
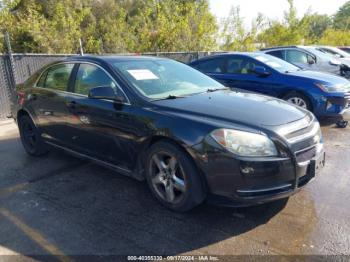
(159, 120)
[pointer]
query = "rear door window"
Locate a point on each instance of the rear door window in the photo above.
(57, 77)
(240, 65)
(215, 66)
(277, 53)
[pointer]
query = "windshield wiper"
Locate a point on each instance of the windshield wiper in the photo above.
(211, 90)
(297, 70)
(174, 97)
(169, 97)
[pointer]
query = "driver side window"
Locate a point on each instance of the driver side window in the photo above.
(297, 57)
(90, 76)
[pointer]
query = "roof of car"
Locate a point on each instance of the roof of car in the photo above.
(324, 46)
(250, 54)
(282, 47)
(112, 58)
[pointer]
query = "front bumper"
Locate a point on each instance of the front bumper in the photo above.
(245, 182)
(335, 105)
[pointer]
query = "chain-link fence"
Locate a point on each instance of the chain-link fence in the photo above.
(16, 68)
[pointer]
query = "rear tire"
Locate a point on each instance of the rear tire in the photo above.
(31, 137)
(173, 178)
(298, 99)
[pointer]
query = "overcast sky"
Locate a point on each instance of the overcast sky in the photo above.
(273, 8)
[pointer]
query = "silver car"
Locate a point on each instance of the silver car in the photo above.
(309, 58)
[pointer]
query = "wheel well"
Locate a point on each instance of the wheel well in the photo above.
(21, 113)
(156, 139)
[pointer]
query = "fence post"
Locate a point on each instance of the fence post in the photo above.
(11, 71)
(81, 47)
(11, 60)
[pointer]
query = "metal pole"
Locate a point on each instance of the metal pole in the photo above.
(11, 71)
(81, 47)
(9, 52)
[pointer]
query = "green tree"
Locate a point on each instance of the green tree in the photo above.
(235, 36)
(316, 25)
(290, 31)
(169, 25)
(108, 26)
(335, 38)
(342, 17)
(233, 30)
(20, 24)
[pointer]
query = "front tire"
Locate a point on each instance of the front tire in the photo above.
(30, 137)
(173, 178)
(298, 99)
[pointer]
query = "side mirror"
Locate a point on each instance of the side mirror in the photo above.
(311, 60)
(104, 92)
(260, 71)
(335, 62)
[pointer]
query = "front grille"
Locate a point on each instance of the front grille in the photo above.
(301, 130)
(300, 134)
(347, 96)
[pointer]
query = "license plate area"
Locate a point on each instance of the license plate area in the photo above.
(306, 155)
(316, 165)
(313, 169)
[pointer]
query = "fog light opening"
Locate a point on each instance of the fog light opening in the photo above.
(329, 105)
(247, 170)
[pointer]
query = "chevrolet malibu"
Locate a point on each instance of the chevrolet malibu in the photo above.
(161, 121)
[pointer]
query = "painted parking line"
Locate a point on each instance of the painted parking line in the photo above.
(13, 189)
(35, 235)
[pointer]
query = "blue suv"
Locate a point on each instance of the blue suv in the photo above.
(326, 95)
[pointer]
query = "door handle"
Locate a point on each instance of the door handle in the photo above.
(71, 104)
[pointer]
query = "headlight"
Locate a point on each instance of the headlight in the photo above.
(245, 143)
(329, 88)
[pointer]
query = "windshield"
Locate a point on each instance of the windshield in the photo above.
(324, 56)
(334, 51)
(275, 63)
(159, 79)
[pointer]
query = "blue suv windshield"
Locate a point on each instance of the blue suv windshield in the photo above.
(275, 63)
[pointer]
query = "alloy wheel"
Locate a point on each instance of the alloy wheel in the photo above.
(29, 135)
(297, 101)
(168, 178)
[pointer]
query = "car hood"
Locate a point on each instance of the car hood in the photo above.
(234, 107)
(322, 77)
(345, 61)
